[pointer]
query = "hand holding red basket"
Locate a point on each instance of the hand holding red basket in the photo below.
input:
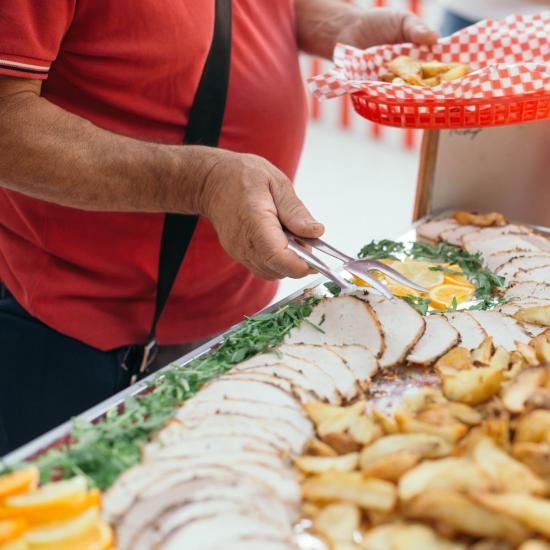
(510, 82)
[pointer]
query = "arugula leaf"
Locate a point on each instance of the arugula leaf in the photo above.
(422, 305)
(378, 250)
(333, 288)
(102, 450)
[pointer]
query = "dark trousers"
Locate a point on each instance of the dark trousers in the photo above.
(46, 377)
(452, 22)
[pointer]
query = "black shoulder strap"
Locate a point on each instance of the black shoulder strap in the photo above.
(203, 128)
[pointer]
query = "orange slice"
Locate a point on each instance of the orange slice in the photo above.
(420, 273)
(57, 532)
(400, 290)
(456, 279)
(19, 482)
(56, 511)
(99, 537)
(441, 297)
(18, 544)
(58, 494)
(11, 530)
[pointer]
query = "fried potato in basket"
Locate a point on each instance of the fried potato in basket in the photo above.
(338, 522)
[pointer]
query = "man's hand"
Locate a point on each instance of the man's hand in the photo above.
(247, 199)
(323, 23)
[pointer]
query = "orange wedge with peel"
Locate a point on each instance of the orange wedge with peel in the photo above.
(11, 530)
(57, 532)
(441, 297)
(456, 279)
(58, 494)
(19, 481)
(56, 512)
(99, 537)
(19, 544)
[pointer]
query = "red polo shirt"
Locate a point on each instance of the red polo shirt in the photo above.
(132, 67)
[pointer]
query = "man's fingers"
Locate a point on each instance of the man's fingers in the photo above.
(293, 214)
(416, 31)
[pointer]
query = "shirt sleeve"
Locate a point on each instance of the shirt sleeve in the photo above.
(31, 32)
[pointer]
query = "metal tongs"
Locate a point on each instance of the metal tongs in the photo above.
(359, 268)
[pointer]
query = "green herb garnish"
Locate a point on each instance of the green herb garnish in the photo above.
(102, 450)
(422, 305)
(379, 250)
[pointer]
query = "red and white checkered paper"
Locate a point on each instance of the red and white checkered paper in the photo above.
(510, 57)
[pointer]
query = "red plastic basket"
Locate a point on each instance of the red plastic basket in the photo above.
(452, 113)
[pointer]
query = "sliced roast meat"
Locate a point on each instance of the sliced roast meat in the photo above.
(211, 532)
(498, 244)
(509, 269)
(494, 261)
(360, 360)
(432, 230)
(528, 290)
(258, 543)
(438, 338)
(515, 305)
(330, 362)
(342, 321)
(402, 325)
(230, 387)
(318, 381)
(484, 233)
(539, 274)
(454, 235)
(294, 422)
(504, 330)
(470, 331)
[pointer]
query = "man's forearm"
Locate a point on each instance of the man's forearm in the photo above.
(51, 154)
(319, 22)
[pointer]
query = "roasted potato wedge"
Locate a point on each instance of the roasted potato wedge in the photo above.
(365, 430)
(341, 443)
(508, 474)
(538, 315)
(433, 68)
(338, 522)
(402, 536)
(319, 464)
(482, 354)
(459, 514)
(450, 432)
(534, 427)
(406, 67)
(457, 359)
(393, 466)
(448, 412)
(530, 510)
(480, 220)
(447, 474)
(517, 393)
(535, 544)
(458, 71)
(471, 386)
(314, 447)
(534, 455)
(367, 493)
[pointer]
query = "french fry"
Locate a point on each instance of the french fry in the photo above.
(425, 445)
(447, 474)
(401, 536)
(458, 71)
(405, 67)
(537, 315)
(458, 514)
(508, 474)
(530, 510)
(368, 494)
(433, 68)
(338, 522)
(319, 464)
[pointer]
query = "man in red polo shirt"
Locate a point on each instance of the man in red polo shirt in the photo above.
(94, 101)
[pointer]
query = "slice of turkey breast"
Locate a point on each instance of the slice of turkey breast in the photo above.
(527, 290)
(258, 543)
(498, 244)
(318, 381)
(360, 360)
(432, 230)
(539, 274)
(470, 331)
(504, 330)
(483, 233)
(345, 320)
(217, 428)
(293, 422)
(454, 235)
(146, 510)
(230, 387)
(438, 338)
(515, 305)
(494, 261)
(331, 363)
(171, 520)
(210, 533)
(402, 326)
(509, 269)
